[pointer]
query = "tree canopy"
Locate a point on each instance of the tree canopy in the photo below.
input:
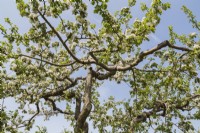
(65, 58)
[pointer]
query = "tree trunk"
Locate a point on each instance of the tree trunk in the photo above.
(81, 124)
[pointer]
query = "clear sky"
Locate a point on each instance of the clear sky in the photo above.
(173, 16)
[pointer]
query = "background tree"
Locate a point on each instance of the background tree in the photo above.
(66, 60)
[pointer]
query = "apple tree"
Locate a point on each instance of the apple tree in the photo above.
(65, 58)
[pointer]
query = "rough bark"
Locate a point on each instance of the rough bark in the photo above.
(81, 124)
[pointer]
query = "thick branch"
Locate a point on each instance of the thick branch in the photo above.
(100, 76)
(139, 58)
(58, 92)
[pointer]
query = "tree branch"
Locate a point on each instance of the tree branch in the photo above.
(60, 91)
(29, 120)
(139, 58)
(50, 63)
(62, 41)
(179, 48)
(160, 106)
(153, 70)
(55, 108)
(100, 76)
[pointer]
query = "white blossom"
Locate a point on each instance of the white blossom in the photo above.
(159, 8)
(31, 67)
(40, 8)
(143, 19)
(185, 58)
(11, 84)
(37, 23)
(196, 46)
(137, 20)
(193, 34)
(128, 32)
(183, 66)
(33, 15)
(154, 21)
(13, 66)
(50, 71)
(67, 2)
(131, 36)
(166, 53)
(149, 24)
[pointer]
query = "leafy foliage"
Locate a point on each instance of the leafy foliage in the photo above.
(69, 59)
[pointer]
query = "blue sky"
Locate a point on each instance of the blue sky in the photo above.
(174, 17)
